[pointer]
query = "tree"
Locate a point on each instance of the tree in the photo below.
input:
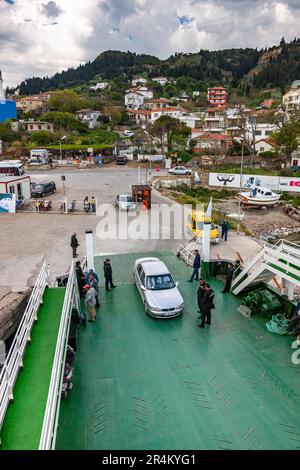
(180, 136)
(288, 137)
(43, 137)
(64, 121)
(6, 134)
(67, 101)
(162, 129)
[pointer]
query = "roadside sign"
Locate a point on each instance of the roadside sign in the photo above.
(157, 168)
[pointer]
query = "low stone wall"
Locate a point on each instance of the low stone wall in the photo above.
(12, 307)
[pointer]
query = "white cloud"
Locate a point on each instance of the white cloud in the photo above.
(65, 33)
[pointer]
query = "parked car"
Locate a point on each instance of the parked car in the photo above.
(125, 202)
(180, 170)
(41, 189)
(128, 133)
(158, 290)
(121, 160)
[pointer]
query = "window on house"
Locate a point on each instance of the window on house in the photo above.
(261, 149)
(31, 127)
(258, 132)
(39, 127)
(19, 190)
(48, 127)
(269, 132)
(12, 189)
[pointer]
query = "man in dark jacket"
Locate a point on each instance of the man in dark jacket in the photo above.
(80, 278)
(229, 277)
(206, 306)
(196, 267)
(225, 228)
(108, 275)
(200, 294)
(74, 244)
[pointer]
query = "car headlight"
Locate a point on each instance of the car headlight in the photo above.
(155, 309)
(180, 306)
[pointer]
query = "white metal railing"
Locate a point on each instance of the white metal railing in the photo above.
(14, 359)
(50, 424)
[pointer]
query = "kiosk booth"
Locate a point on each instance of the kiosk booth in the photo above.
(141, 194)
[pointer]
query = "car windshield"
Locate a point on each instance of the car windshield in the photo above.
(38, 186)
(160, 282)
(126, 198)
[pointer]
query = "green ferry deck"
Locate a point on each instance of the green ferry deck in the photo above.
(142, 383)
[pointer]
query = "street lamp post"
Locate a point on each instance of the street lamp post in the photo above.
(150, 169)
(61, 162)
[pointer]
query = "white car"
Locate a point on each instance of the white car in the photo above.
(159, 292)
(129, 133)
(125, 202)
(180, 170)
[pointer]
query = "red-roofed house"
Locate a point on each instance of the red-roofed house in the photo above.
(139, 116)
(266, 145)
(212, 141)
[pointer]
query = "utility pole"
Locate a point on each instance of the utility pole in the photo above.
(61, 162)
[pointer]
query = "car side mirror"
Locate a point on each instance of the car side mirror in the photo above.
(176, 284)
(143, 288)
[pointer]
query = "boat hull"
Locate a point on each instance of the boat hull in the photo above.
(249, 201)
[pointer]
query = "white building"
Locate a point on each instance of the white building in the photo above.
(191, 120)
(173, 112)
(291, 100)
(18, 185)
(134, 100)
(139, 81)
(265, 145)
(260, 131)
(33, 126)
(215, 120)
(196, 94)
(99, 86)
(139, 116)
(161, 80)
(89, 117)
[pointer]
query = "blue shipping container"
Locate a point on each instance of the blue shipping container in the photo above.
(8, 110)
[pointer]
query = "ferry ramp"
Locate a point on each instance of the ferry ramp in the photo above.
(142, 383)
(24, 418)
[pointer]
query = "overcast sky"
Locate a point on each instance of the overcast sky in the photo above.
(43, 37)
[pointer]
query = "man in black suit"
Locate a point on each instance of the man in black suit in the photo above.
(74, 244)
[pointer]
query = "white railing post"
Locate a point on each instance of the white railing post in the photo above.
(50, 423)
(14, 358)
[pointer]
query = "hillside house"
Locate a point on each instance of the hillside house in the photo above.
(139, 116)
(99, 86)
(33, 126)
(139, 81)
(89, 117)
(266, 145)
(158, 103)
(259, 131)
(217, 96)
(35, 103)
(215, 120)
(291, 100)
(161, 80)
(134, 100)
(218, 143)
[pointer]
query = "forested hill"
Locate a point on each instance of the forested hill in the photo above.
(248, 69)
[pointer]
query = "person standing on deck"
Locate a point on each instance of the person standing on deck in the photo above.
(200, 294)
(74, 244)
(229, 277)
(94, 283)
(87, 277)
(225, 228)
(108, 275)
(196, 267)
(80, 278)
(90, 302)
(206, 306)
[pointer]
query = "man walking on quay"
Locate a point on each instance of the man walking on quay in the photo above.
(196, 267)
(200, 294)
(225, 228)
(229, 277)
(108, 275)
(90, 302)
(206, 306)
(74, 244)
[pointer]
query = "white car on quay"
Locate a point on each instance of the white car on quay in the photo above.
(124, 202)
(158, 290)
(180, 170)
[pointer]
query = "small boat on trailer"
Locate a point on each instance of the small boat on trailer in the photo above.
(259, 196)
